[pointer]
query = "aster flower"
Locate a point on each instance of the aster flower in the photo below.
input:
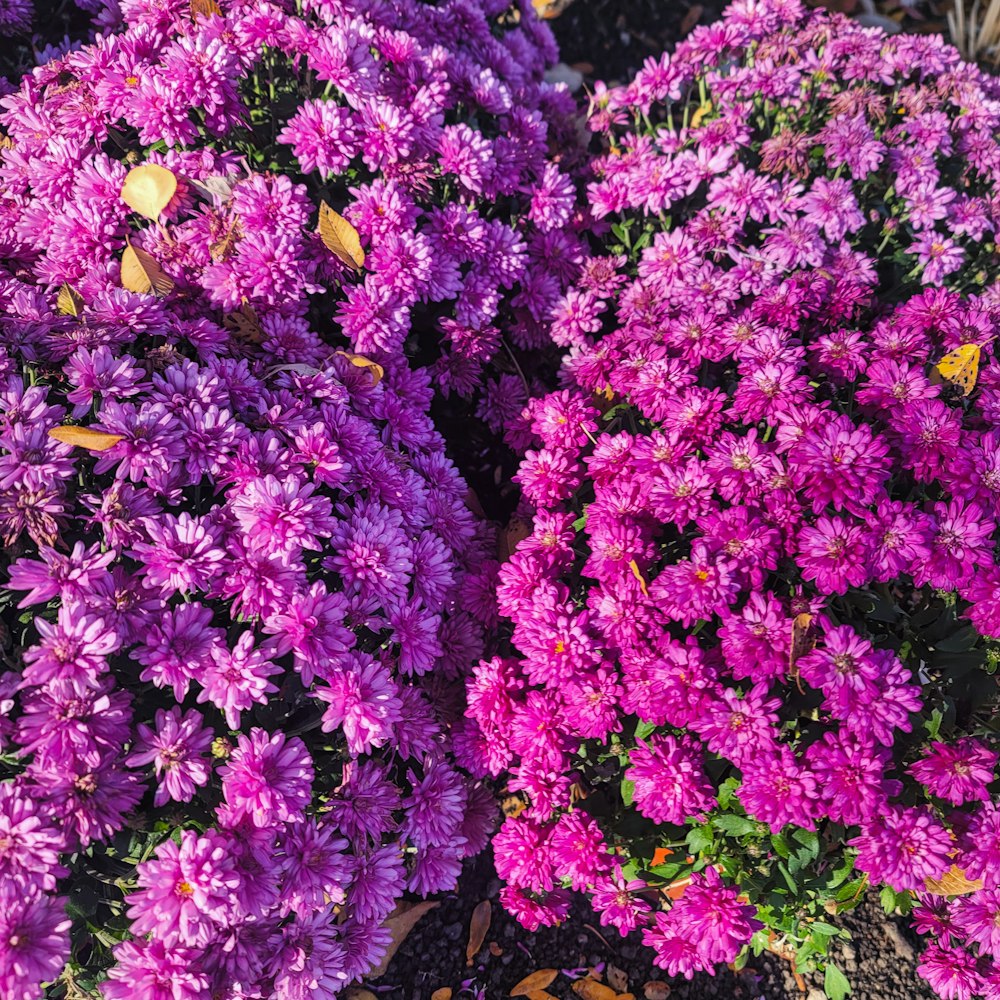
(35, 935)
(235, 679)
(176, 749)
(184, 895)
(903, 846)
(670, 783)
(268, 779)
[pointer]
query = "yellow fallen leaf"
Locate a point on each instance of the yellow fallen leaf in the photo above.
(148, 189)
(399, 923)
(952, 883)
(590, 989)
(478, 926)
(376, 371)
(340, 237)
(357, 993)
(442, 994)
(69, 301)
(959, 367)
(84, 437)
(140, 273)
(535, 982)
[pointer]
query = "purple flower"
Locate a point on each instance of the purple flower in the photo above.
(185, 894)
(268, 779)
(34, 940)
(176, 749)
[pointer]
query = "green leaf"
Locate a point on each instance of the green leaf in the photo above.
(726, 791)
(780, 845)
(887, 898)
(628, 791)
(827, 930)
(835, 983)
(809, 839)
(644, 729)
(700, 839)
(736, 826)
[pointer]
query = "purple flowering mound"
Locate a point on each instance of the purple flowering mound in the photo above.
(752, 656)
(241, 584)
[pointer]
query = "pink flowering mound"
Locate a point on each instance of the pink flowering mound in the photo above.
(752, 626)
(240, 582)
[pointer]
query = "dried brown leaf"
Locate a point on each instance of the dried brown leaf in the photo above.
(399, 923)
(803, 641)
(533, 983)
(590, 989)
(141, 273)
(656, 990)
(513, 805)
(340, 237)
(148, 189)
(244, 325)
(517, 531)
(478, 927)
(358, 993)
(84, 437)
(204, 8)
(495, 950)
(617, 978)
(691, 18)
(442, 994)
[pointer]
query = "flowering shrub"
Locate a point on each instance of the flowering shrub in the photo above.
(240, 580)
(752, 657)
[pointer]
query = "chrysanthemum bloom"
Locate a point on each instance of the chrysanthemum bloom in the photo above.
(363, 701)
(176, 749)
(670, 782)
(152, 969)
(778, 790)
(903, 847)
(185, 895)
(953, 973)
(34, 939)
(234, 679)
(523, 855)
(708, 924)
(957, 773)
(268, 779)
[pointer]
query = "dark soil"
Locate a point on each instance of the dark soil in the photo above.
(879, 960)
(610, 39)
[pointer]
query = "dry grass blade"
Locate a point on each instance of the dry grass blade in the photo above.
(975, 29)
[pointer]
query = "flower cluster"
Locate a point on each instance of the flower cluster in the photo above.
(241, 582)
(751, 623)
(430, 128)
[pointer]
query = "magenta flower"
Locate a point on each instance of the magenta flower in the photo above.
(670, 781)
(176, 749)
(235, 679)
(185, 894)
(363, 701)
(268, 779)
(34, 932)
